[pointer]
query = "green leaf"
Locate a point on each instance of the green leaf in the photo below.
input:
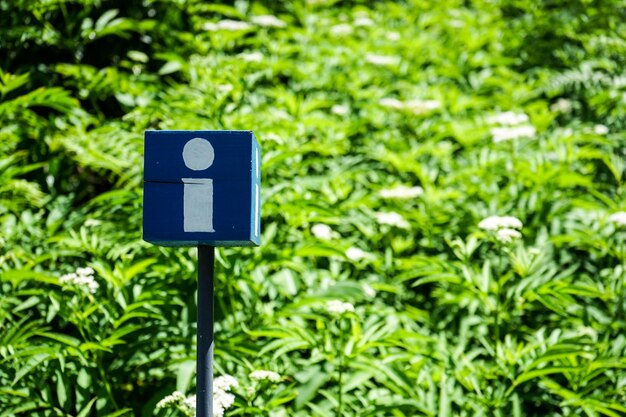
(311, 381)
(186, 371)
(61, 390)
(526, 376)
(170, 68)
(59, 337)
(32, 363)
(85, 411)
(123, 412)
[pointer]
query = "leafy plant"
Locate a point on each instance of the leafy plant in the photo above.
(390, 132)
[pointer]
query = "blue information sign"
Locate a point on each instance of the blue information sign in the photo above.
(202, 188)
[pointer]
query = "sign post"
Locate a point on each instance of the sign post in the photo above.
(204, 359)
(202, 188)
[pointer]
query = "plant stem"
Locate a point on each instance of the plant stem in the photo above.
(340, 378)
(619, 308)
(496, 318)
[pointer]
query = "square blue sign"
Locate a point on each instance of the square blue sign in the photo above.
(202, 188)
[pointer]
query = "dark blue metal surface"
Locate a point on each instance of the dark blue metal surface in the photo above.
(235, 175)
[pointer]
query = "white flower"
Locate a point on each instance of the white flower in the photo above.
(501, 134)
(355, 254)
(507, 235)
(340, 109)
(261, 375)
(500, 222)
(224, 383)
(415, 106)
(92, 223)
(382, 60)
(618, 218)
(339, 307)
(251, 56)
(190, 402)
(363, 21)
(393, 103)
(368, 290)
(173, 399)
(393, 219)
(268, 20)
(341, 29)
(322, 231)
(600, 129)
(222, 401)
(393, 36)
(210, 26)
(508, 118)
(402, 192)
(82, 278)
(422, 106)
(85, 271)
(562, 105)
(225, 88)
(68, 278)
(227, 25)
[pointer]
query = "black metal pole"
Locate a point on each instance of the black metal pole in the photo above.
(204, 366)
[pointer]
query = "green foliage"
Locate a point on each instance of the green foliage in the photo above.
(348, 100)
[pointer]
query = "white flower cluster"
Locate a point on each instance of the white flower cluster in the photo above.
(262, 375)
(503, 134)
(503, 226)
(368, 290)
(508, 118)
(341, 29)
(507, 235)
(355, 254)
(222, 398)
(402, 192)
(224, 383)
(322, 231)
(500, 222)
(338, 307)
(392, 219)
(189, 403)
(392, 103)
(227, 25)
(174, 399)
(363, 21)
(618, 218)
(268, 20)
(251, 56)
(382, 60)
(82, 278)
(414, 106)
(512, 126)
(600, 130)
(340, 110)
(562, 105)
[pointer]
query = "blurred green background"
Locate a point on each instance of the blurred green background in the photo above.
(389, 131)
